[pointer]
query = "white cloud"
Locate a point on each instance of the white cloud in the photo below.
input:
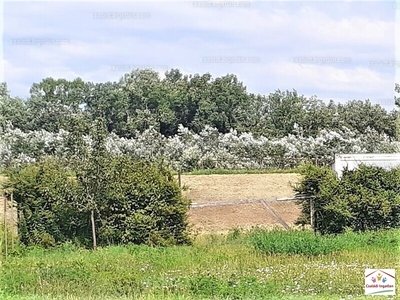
(178, 35)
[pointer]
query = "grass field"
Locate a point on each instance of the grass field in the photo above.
(252, 265)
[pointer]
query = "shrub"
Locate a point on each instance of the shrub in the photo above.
(137, 202)
(364, 199)
(43, 192)
(142, 203)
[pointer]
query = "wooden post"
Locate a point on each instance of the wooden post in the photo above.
(5, 226)
(93, 230)
(312, 213)
(179, 177)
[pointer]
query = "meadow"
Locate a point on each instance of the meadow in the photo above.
(254, 264)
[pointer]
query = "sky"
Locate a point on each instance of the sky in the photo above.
(339, 50)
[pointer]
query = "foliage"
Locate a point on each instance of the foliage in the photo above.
(140, 100)
(141, 203)
(363, 199)
(191, 122)
(190, 151)
(134, 202)
(43, 192)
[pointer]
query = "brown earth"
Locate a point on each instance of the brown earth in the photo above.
(221, 188)
(223, 218)
(212, 188)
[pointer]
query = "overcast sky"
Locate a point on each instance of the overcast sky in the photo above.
(337, 50)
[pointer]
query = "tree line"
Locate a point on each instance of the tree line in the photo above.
(140, 100)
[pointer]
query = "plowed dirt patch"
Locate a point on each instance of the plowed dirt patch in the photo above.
(219, 218)
(224, 218)
(289, 211)
(235, 187)
(212, 188)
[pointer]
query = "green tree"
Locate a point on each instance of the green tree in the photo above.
(359, 115)
(91, 171)
(12, 110)
(314, 190)
(53, 102)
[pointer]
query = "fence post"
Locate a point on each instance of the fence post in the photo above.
(179, 177)
(5, 226)
(312, 214)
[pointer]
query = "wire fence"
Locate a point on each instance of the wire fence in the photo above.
(259, 164)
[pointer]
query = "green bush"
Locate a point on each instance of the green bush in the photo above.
(367, 198)
(43, 192)
(142, 203)
(136, 202)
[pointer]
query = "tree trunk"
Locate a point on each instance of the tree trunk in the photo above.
(93, 230)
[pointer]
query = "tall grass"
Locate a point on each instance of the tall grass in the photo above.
(215, 267)
(305, 242)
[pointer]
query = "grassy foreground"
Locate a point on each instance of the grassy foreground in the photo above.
(252, 265)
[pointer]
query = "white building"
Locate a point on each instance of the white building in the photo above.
(352, 161)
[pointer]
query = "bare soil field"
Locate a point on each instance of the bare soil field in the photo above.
(223, 218)
(214, 189)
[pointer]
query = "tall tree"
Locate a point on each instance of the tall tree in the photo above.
(53, 102)
(284, 110)
(91, 172)
(12, 110)
(359, 115)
